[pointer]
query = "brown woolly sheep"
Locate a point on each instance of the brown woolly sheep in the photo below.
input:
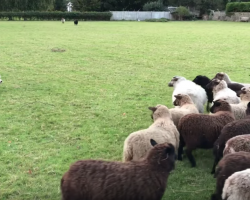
(237, 143)
(103, 180)
(227, 166)
(201, 130)
(232, 129)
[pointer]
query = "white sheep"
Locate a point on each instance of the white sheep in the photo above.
(137, 144)
(63, 20)
(237, 186)
(225, 77)
(221, 91)
(0, 80)
(184, 106)
(183, 86)
(239, 110)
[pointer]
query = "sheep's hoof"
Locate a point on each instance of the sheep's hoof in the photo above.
(213, 197)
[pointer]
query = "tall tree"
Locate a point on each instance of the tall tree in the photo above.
(86, 5)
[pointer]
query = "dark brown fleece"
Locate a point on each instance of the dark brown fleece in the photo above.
(232, 129)
(103, 180)
(202, 130)
(227, 166)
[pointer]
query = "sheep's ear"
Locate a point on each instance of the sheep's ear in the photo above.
(170, 149)
(217, 103)
(152, 108)
(153, 142)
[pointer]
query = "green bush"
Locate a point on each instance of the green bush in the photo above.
(238, 7)
(182, 12)
(154, 6)
(35, 15)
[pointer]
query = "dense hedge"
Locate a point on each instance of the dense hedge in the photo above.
(34, 15)
(238, 7)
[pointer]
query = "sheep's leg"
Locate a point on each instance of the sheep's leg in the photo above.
(214, 166)
(208, 107)
(180, 149)
(190, 157)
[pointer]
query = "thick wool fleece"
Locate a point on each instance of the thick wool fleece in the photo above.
(137, 144)
(103, 180)
(237, 143)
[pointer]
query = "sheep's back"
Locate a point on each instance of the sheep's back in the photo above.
(139, 142)
(239, 127)
(237, 143)
(201, 129)
(239, 110)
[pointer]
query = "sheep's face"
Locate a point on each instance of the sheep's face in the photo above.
(175, 79)
(220, 75)
(213, 83)
(162, 154)
(201, 80)
(220, 105)
(159, 111)
(178, 99)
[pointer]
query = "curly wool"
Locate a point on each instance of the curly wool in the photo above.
(162, 130)
(237, 143)
(237, 186)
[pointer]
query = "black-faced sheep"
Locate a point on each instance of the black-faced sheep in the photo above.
(221, 91)
(137, 145)
(203, 81)
(237, 143)
(201, 130)
(75, 21)
(239, 110)
(225, 77)
(183, 86)
(237, 186)
(0, 80)
(99, 180)
(232, 129)
(184, 106)
(227, 166)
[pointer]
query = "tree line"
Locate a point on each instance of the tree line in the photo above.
(105, 5)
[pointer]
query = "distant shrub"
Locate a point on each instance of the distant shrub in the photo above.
(35, 15)
(238, 7)
(157, 20)
(182, 12)
(154, 6)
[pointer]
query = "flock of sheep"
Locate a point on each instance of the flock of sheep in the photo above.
(149, 155)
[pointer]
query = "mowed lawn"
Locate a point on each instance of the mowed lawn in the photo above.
(60, 107)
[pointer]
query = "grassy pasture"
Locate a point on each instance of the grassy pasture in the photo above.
(59, 107)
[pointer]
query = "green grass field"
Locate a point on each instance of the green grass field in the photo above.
(59, 107)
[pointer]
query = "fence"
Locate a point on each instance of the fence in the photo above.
(138, 15)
